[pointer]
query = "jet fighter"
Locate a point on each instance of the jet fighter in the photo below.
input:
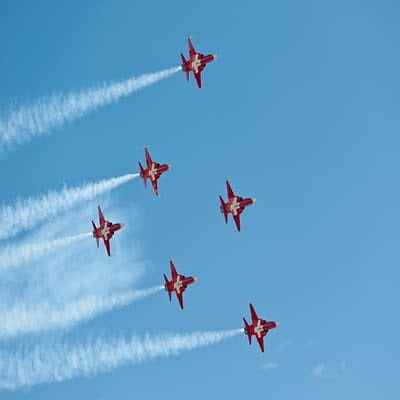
(105, 231)
(258, 327)
(234, 206)
(177, 284)
(152, 171)
(196, 63)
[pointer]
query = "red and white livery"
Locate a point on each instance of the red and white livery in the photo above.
(105, 231)
(177, 284)
(235, 205)
(153, 171)
(196, 62)
(258, 327)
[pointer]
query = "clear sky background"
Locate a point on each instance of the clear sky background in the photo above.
(300, 111)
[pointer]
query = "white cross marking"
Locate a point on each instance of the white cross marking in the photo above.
(196, 64)
(258, 329)
(105, 231)
(153, 172)
(178, 284)
(235, 206)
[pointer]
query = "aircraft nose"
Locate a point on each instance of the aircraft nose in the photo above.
(254, 200)
(215, 56)
(277, 323)
(194, 278)
(169, 166)
(122, 226)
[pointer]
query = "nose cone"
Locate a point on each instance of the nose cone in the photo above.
(169, 166)
(277, 323)
(215, 56)
(254, 200)
(194, 278)
(122, 226)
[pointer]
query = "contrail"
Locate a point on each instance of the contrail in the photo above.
(27, 213)
(14, 255)
(27, 122)
(22, 319)
(60, 361)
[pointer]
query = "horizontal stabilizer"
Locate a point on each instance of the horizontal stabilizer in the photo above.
(94, 233)
(223, 208)
(183, 66)
(142, 174)
(166, 287)
(246, 329)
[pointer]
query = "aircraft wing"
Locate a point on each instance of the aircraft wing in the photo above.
(101, 216)
(155, 185)
(254, 317)
(173, 270)
(192, 51)
(180, 298)
(229, 190)
(236, 218)
(260, 341)
(197, 75)
(107, 244)
(148, 157)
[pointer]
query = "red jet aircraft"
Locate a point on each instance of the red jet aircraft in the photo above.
(177, 284)
(152, 171)
(196, 62)
(234, 206)
(105, 231)
(259, 327)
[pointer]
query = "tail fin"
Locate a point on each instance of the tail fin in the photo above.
(166, 286)
(246, 329)
(223, 208)
(142, 174)
(94, 230)
(184, 61)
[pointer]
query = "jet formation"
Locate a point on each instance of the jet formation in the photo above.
(234, 205)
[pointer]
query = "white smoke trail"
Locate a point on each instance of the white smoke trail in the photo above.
(27, 213)
(27, 122)
(60, 361)
(14, 255)
(22, 319)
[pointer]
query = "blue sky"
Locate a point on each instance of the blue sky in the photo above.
(300, 111)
